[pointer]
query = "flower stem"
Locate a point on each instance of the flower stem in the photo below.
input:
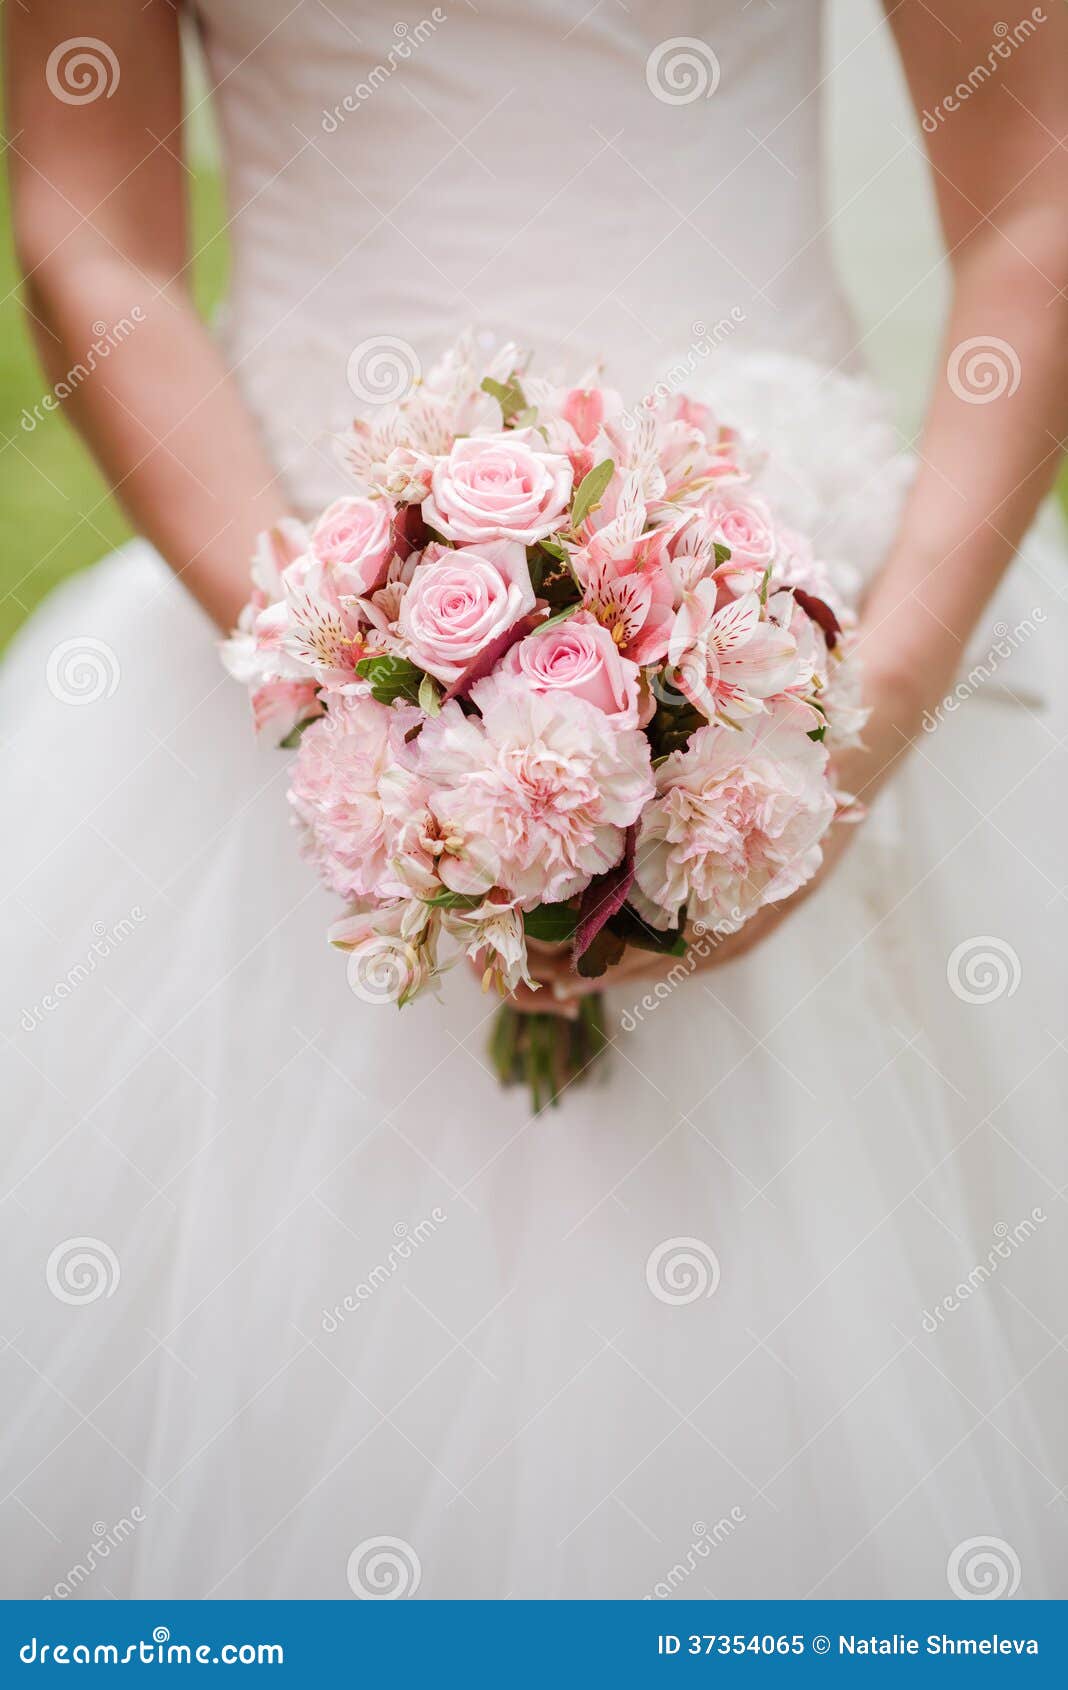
(547, 1053)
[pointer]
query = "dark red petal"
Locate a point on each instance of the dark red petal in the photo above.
(488, 658)
(603, 897)
(410, 532)
(822, 614)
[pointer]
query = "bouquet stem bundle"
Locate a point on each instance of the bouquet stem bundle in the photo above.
(546, 1052)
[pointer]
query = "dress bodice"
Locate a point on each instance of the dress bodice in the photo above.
(626, 183)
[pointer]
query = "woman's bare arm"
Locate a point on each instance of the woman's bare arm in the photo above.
(1000, 170)
(100, 222)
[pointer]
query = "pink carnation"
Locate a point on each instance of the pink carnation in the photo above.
(737, 821)
(334, 791)
(542, 787)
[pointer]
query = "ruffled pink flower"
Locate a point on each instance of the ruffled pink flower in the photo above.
(541, 788)
(728, 661)
(353, 538)
(458, 601)
(737, 821)
(335, 793)
(499, 487)
(580, 657)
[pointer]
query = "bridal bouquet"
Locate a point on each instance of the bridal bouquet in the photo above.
(556, 675)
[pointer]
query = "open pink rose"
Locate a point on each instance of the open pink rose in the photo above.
(745, 526)
(459, 600)
(499, 487)
(353, 539)
(580, 657)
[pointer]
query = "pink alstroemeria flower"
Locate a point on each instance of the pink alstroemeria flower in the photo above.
(727, 661)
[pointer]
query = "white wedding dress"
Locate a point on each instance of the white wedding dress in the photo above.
(296, 1301)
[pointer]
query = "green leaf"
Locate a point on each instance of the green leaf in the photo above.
(556, 549)
(391, 678)
(454, 901)
(295, 735)
(591, 490)
(509, 396)
(527, 418)
(818, 733)
(627, 924)
(429, 696)
(561, 616)
(601, 954)
(764, 585)
(722, 553)
(552, 923)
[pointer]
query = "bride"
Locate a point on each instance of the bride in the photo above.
(297, 1303)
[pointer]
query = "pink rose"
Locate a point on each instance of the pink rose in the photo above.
(458, 601)
(353, 538)
(580, 657)
(499, 487)
(745, 526)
